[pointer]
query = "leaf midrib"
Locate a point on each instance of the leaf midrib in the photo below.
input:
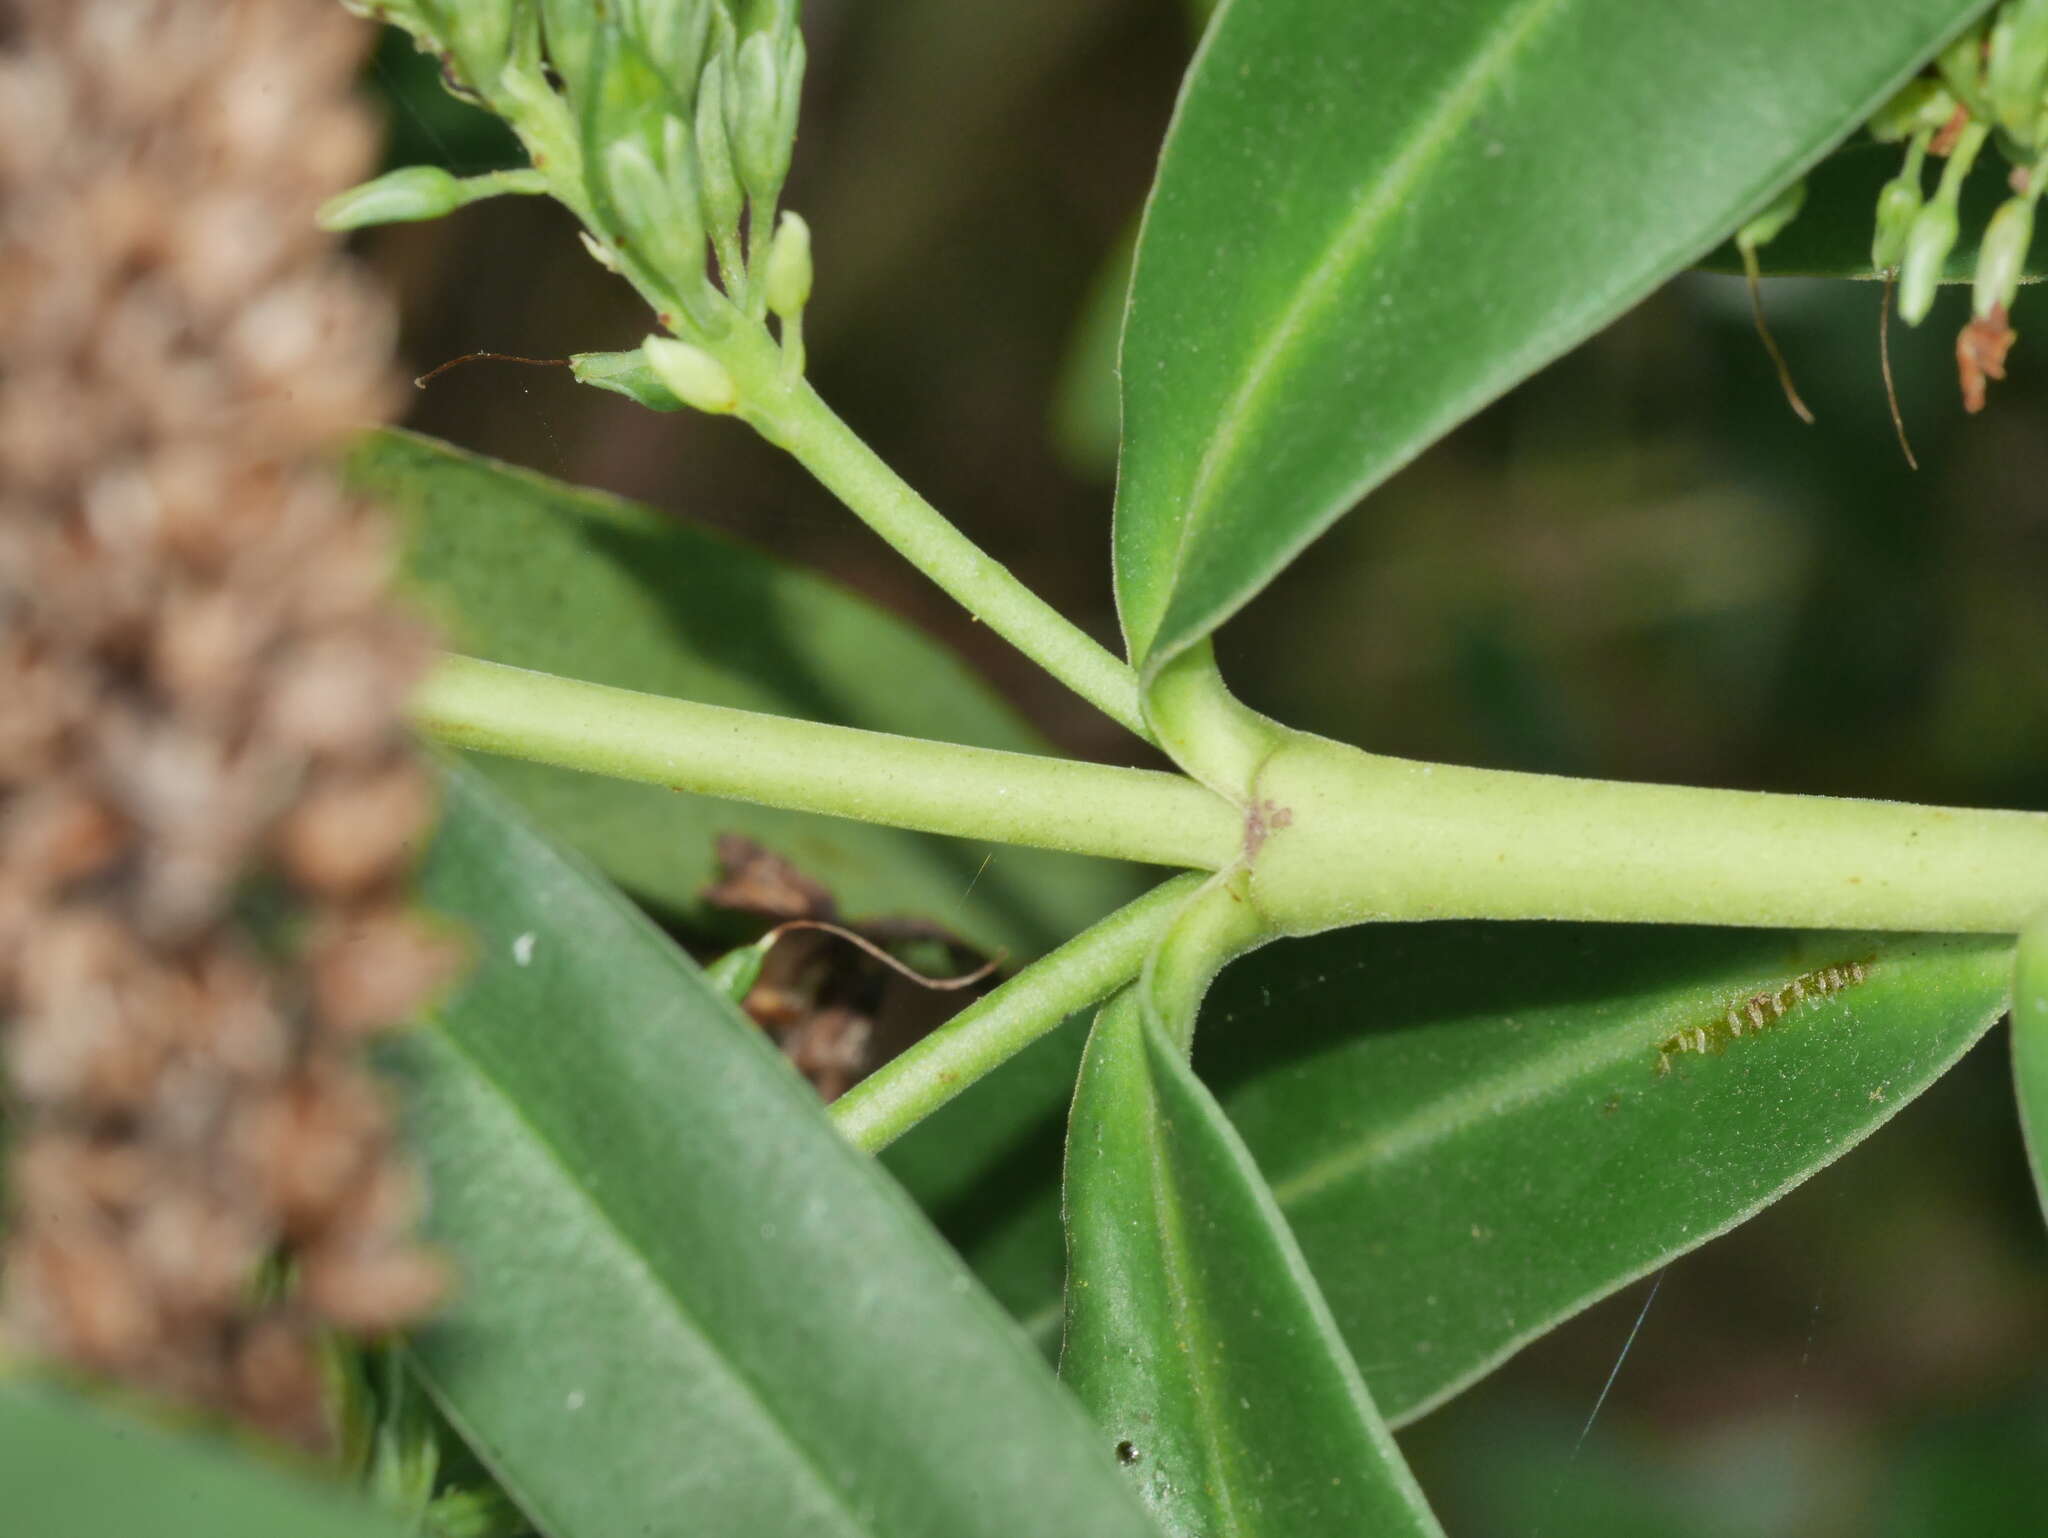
(651, 1277)
(1178, 1269)
(1354, 239)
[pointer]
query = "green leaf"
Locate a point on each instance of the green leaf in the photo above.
(1194, 1331)
(1407, 1084)
(2030, 1049)
(1371, 219)
(523, 570)
(687, 1307)
(73, 1469)
(1831, 236)
(1527, 1124)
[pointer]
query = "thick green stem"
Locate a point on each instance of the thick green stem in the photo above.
(1203, 727)
(935, 787)
(1352, 837)
(1087, 969)
(792, 415)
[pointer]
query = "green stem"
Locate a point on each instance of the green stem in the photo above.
(1212, 928)
(790, 414)
(1204, 728)
(1352, 837)
(936, 787)
(1087, 969)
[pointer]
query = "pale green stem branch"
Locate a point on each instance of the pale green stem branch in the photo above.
(791, 414)
(905, 782)
(1087, 969)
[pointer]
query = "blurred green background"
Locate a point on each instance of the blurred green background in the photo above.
(1637, 565)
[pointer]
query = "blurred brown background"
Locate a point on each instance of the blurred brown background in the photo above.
(1638, 565)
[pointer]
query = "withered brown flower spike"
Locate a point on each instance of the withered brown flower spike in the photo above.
(200, 687)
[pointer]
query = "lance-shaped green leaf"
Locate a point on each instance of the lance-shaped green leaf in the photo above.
(1477, 1130)
(526, 571)
(1465, 1126)
(686, 1305)
(2030, 1049)
(71, 1469)
(1371, 219)
(1195, 1333)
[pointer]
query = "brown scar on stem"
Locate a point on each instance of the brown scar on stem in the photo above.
(1757, 1013)
(1261, 821)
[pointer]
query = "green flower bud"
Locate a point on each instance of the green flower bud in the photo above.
(760, 133)
(735, 973)
(773, 16)
(675, 35)
(659, 227)
(1898, 204)
(697, 378)
(397, 197)
(786, 282)
(571, 30)
(625, 373)
(2017, 72)
(481, 35)
(1766, 226)
(1920, 103)
(1961, 66)
(1928, 243)
(722, 198)
(2002, 256)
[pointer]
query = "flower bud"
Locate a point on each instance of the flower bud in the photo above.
(2002, 256)
(660, 227)
(735, 973)
(1898, 204)
(1767, 225)
(2017, 72)
(1928, 243)
(1920, 103)
(571, 28)
(397, 197)
(761, 130)
(786, 279)
(720, 188)
(697, 378)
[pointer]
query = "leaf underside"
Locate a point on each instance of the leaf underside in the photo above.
(687, 1306)
(1465, 1126)
(1195, 1333)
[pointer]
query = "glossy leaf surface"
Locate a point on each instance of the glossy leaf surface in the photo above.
(1371, 219)
(1537, 1115)
(73, 1469)
(1195, 1333)
(1405, 1085)
(2030, 1049)
(687, 1306)
(526, 571)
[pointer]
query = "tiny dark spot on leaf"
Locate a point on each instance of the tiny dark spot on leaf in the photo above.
(1127, 1453)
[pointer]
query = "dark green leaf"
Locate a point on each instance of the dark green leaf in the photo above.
(1194, 1331)
(1370, 219)
(529, 572)
(1503, 1078)
(71, 1469)
(1528, 1125)
(1831, 236)
(687, 1307)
